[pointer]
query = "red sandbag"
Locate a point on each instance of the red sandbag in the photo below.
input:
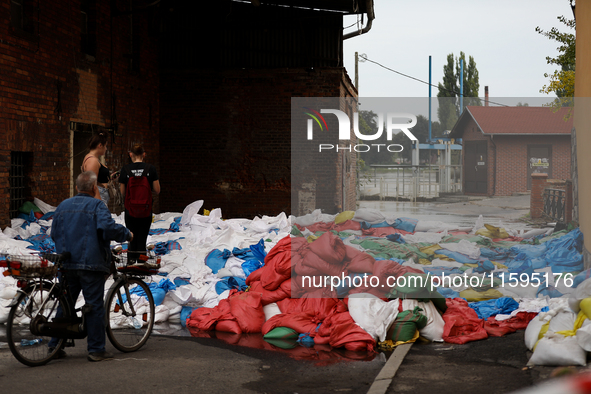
(346, 333)
(302, 323)
(462, 324)
(498, 328)
(254, 276)
(308, 263)
(206, 318)
(358, 261)
(277, 266)
(228, 326)
(268, 297)
(247, 309)
(348, 225)
(329, 248)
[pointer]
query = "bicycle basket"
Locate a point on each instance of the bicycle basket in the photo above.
(145, 265)
(28, 266)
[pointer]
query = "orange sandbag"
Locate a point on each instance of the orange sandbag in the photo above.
(247, 309)
(329, 248)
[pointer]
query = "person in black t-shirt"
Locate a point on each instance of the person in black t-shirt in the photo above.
(139, 226)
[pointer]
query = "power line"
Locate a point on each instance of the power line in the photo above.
(364, 57)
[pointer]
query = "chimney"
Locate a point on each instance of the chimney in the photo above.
(486, 96)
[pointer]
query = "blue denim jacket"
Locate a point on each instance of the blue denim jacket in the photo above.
(83, 226)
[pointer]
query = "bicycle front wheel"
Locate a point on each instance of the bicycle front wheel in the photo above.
(130, 314)
(33, 308)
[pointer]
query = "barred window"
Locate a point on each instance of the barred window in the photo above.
(17, 179)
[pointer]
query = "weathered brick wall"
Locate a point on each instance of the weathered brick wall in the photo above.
(230, 145)
(508, 157)
(512, 160)
(37, 69)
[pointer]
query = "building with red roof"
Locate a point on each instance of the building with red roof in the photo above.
(503, 146)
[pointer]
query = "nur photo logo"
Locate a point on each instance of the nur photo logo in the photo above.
(393, 122)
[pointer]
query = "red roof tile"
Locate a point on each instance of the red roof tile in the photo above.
(521, 120)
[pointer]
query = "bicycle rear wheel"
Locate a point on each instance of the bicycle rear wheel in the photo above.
(130, 314)
(32, 308)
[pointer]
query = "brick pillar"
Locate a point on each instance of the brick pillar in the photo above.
(568, 203)
(538, 184)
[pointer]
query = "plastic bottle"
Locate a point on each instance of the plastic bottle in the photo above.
(30, 342)
(137, 324)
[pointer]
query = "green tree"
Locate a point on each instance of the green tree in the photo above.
(448, 93)
(562, 82)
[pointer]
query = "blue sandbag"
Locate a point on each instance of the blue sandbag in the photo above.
(406, 224)
(584, 275)
(523, 251)
(216, 259)
(185, 313)
(484, 266)
(258, 251)
(485, 309)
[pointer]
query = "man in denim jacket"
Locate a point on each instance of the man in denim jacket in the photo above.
(83, 226)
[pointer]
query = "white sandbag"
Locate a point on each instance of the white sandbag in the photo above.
(556, 350)
(433, 331)
(44, 207)
(532, 332)
(174, 318)
(189, 211)
(433, 226)
(417, 237)
(4, 310)
(582, 291)
(271, 310)
(534, 232)
(369, 215)
(563, 321)
(584, 336)
(372, 314)
(161, 314)
(478, 225)
(172, 305)
(465, 247)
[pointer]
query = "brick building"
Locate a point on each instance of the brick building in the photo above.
(226, 99)
(503, 146)
(67, 69)
(205, 86)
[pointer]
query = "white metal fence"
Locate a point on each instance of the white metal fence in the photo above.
(409, 182)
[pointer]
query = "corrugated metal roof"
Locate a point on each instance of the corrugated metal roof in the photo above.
(516, 120)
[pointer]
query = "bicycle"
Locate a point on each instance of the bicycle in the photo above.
(32, 320)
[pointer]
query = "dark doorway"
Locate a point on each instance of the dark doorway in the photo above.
(539, 160)
(475, 167)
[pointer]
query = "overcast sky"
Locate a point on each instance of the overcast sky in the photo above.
(500, 34)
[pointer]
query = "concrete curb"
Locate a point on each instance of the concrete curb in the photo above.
(382, 381)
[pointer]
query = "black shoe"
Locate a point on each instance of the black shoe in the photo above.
(100, 356)
(60, 353)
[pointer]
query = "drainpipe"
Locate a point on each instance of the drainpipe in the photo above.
(494, 190)
(370, 17)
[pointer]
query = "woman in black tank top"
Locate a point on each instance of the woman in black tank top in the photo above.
(97, 147)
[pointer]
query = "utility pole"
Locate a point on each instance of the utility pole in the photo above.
(357, 72)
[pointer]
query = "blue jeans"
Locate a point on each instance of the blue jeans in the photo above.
(92, 286)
